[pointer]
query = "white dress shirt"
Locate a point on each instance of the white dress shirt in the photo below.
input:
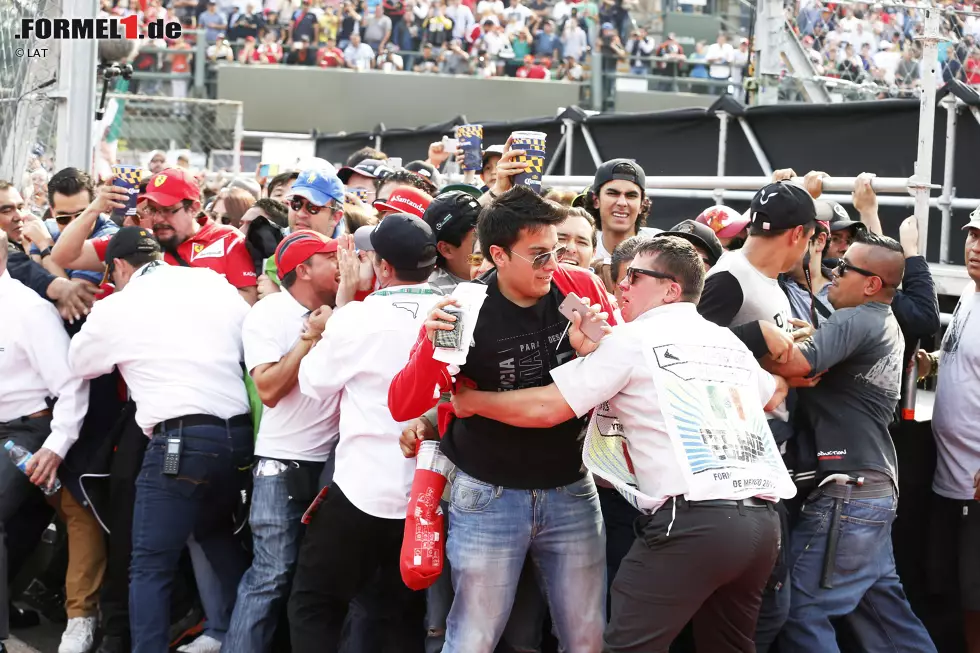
(298, 427)
(34, 365)
(617, 372)
(175, 333)
(364, 345)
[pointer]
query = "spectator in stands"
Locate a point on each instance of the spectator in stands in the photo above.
(248, 54)
(639, 46)
(697, 68)
(330, 56)
(570, 70)
(389, 60)
(427, 61)
(462, 18)
(244, 24)
(437, 29)
(358, 55)
(220, 51)
(270, 51)
(213, 22)
(574, 41)
(376, 29)
(395, 10)
(279, 186)
(455, 60)
(671, 50)
(304, 23)
(612, 53)
(329, 23)
(547, 43)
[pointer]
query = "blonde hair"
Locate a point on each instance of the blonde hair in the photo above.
(563, 197)
(358, 215)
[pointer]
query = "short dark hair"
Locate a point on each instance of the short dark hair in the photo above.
(275, 210)
(365, 153)
(409, 178)
(588, 204)
(420, 275)
(876, 240)
(755, 229)
(579, 212)
(625, 251)
(517, 210)
(678, 257)
(282, 179)
(70, 182)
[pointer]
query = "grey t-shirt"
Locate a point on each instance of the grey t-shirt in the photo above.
(376, 28)
(954, 417)
(850, 409)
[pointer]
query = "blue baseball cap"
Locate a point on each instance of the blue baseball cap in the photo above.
(318, 186)
(608, 26)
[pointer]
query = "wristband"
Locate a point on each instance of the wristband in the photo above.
(492, 194)
(45, 252)
(933, 364)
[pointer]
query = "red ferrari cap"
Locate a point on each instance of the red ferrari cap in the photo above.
(171, 186)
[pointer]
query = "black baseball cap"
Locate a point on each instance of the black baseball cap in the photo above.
(372, 168)
(837, 216)
(127, 242)
(492, 150)
(422, 169)
(625, 169)
(700, 235)
(450, 211)
(403, 240)
(782, 205)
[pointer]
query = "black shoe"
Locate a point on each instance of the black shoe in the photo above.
(23, 618)
(111, 644)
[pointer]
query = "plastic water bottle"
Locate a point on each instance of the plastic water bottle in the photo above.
(21, 457)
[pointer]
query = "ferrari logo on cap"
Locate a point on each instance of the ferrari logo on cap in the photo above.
(159, 179)
(143, 232)
(311, 178)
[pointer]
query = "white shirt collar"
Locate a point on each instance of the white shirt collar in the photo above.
(677, 308)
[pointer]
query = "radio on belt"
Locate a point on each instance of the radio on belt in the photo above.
(171, 460)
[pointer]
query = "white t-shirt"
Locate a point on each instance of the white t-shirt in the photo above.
(725, 53)
(954, 416)
(484, 7)
(364, 346)
(617, 373)
(175, 333)
(298, 427)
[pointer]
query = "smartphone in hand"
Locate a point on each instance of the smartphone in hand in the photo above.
(575, 304)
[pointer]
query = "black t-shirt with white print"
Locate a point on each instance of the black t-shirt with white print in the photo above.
(517, 348)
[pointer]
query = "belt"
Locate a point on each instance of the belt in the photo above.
(200, 420)
(866, 491)
(748, 502)
(39, 414)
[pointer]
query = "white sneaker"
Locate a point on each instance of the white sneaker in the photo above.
(79, 635)
(202, 644)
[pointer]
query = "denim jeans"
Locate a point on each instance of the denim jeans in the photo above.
(264, 590)
(866, 589)
(198, 501)
(492, 530)
(217, 609)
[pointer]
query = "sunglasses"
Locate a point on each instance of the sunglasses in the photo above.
(475, 260)
(632, 272)
(843, 266)
(298, 203)
(66, 219)
(542, 260)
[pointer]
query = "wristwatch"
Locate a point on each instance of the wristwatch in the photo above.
(45, 252)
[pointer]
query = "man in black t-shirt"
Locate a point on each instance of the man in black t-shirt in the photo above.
(517, 491)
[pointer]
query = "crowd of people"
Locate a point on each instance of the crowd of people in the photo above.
(638, 429)
(877, 45)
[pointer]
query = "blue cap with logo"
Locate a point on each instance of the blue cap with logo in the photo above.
(318, 186)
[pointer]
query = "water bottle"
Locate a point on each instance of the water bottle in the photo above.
(910, 381)
(21, 457)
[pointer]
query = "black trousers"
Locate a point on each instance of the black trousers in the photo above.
(126, 464)
(342, 552)
(712, 567)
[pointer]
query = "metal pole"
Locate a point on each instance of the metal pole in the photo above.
(237, 145)
(769, 22)
(760, 154)
(593, 150)
(76, 109)
(945, 200)
(921, 180)
(569, 145)
(830, 184)
(598, 103)
(553, 161)
(722, 149)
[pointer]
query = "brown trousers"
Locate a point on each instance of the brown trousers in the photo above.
(86, 556)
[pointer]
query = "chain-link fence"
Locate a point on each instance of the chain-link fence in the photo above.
(28, 73)
(860, 51)
(207, 132)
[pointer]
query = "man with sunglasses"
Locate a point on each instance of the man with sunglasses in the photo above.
(170, 207)
(316, 202)
(678, 429)
(858, 351)
(518, 491)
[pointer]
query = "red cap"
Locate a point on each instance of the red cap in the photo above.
(171, 186)
(298, 246)
(405, 199)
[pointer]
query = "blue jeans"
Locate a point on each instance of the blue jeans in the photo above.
(264, 590)
(198, 501)
(217, 610)
(866, 589)
(492, 530)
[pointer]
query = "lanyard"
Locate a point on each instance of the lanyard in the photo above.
(405, 291)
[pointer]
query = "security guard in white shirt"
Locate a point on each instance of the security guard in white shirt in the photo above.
(33, 372)
(355, 537)
(297, 434)
(183, 369)
(684, 398)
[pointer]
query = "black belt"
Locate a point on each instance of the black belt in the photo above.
(866, 491)
(748, 502)
(201, 420)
